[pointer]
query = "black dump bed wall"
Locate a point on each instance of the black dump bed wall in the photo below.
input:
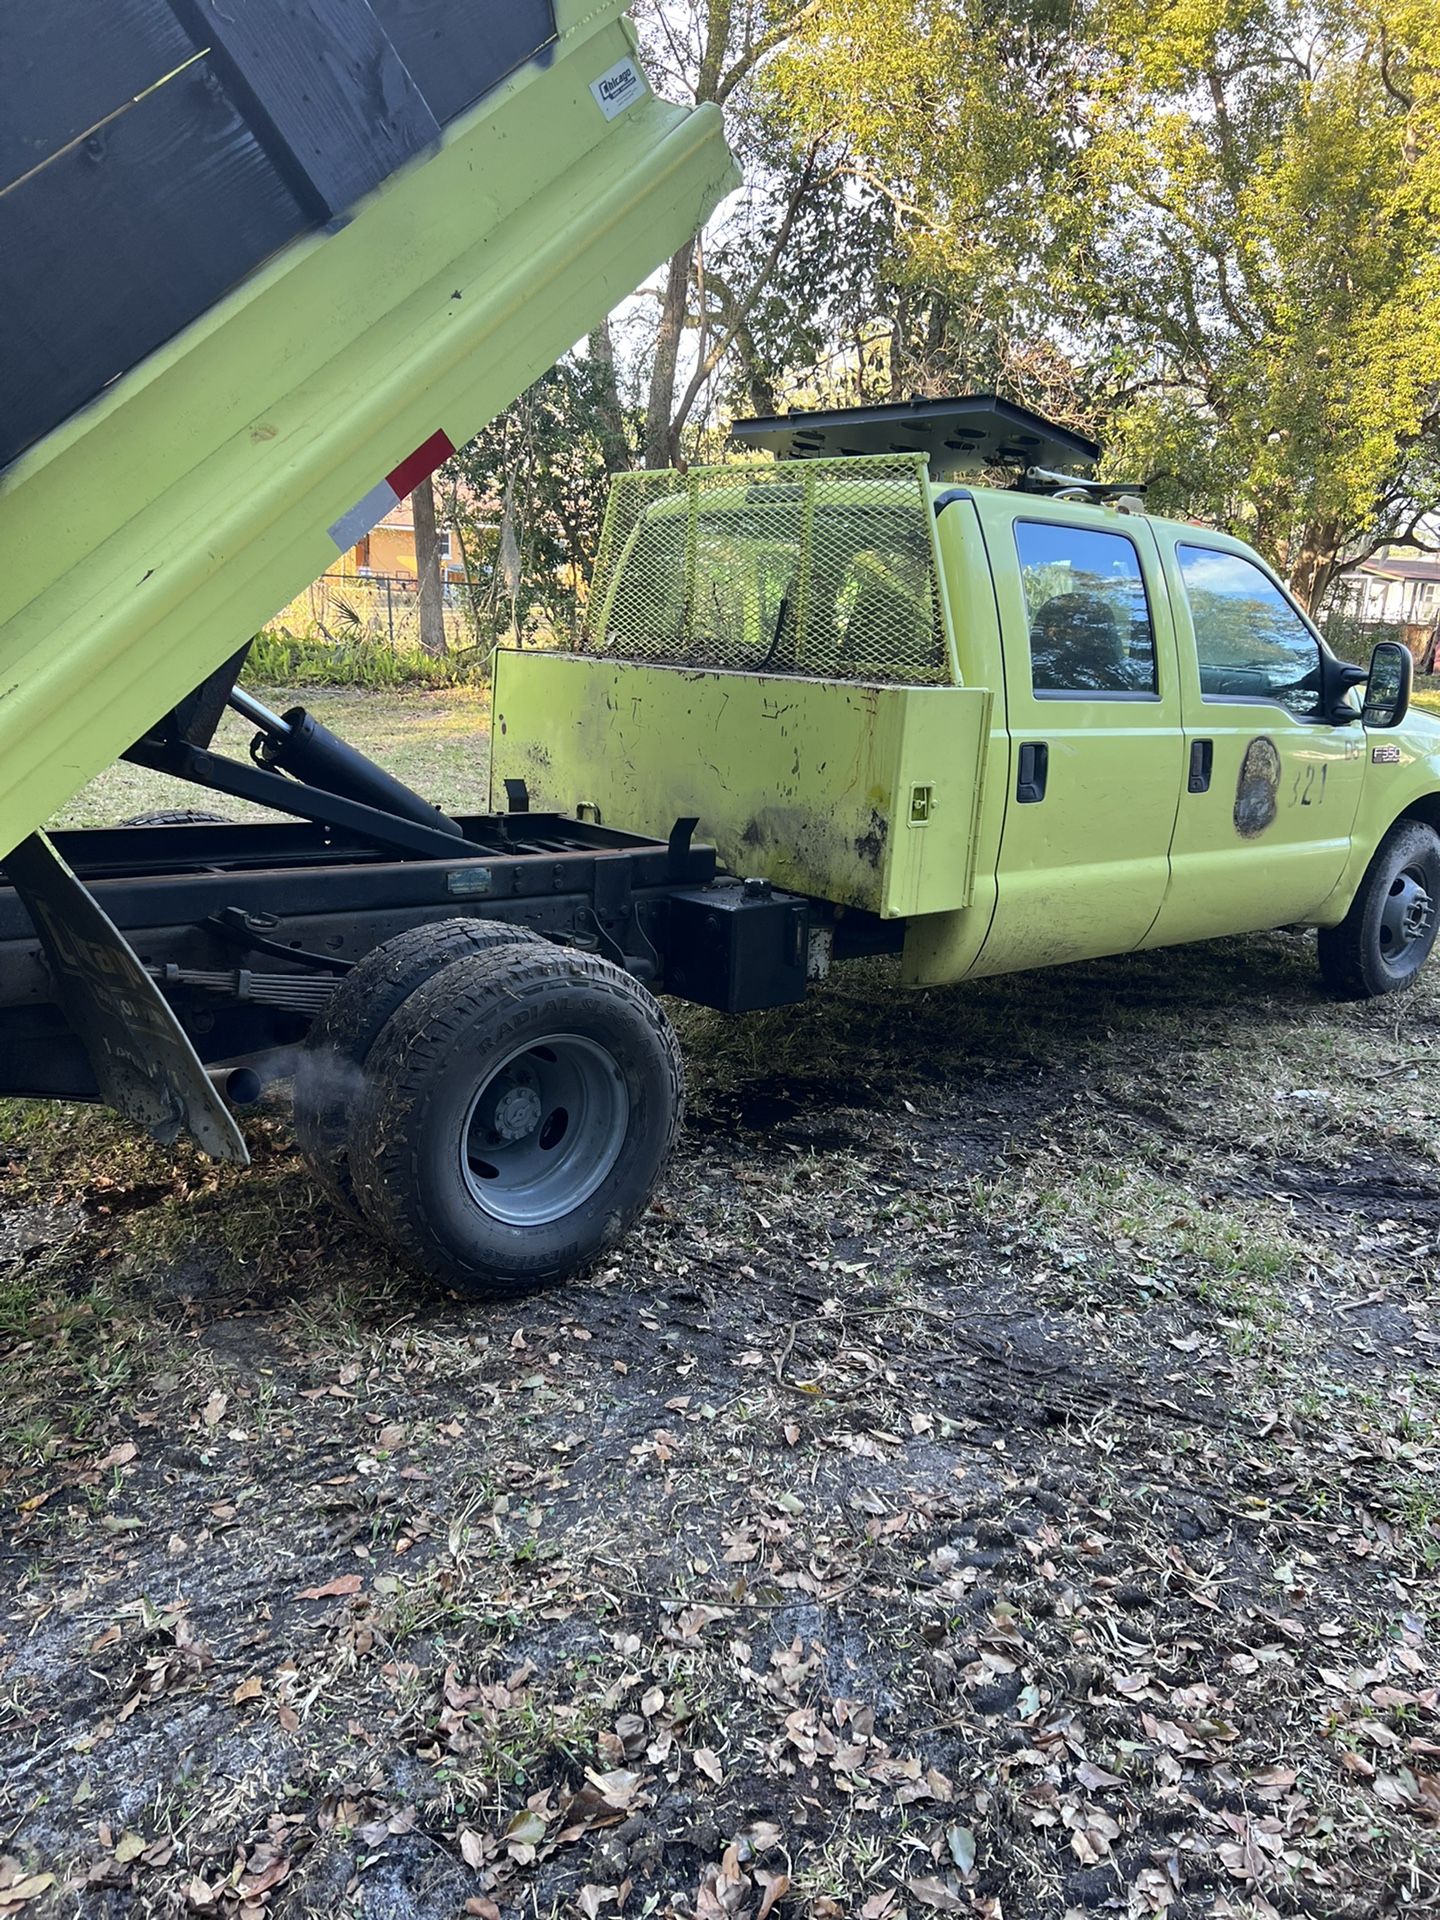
(154, 152)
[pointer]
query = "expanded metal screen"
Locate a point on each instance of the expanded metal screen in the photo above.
(819, 567)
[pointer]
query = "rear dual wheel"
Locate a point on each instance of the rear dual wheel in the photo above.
(499, 1109)
(331, 1074)
(519, 1109)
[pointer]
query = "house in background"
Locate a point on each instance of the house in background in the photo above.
(1400, 591)
(388, 552)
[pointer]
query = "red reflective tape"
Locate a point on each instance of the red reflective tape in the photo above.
(425, 459)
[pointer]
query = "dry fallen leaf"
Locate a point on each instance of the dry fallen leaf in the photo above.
(961, 1842)
(936, 1895)
(340, 1588)
(20, 1891)
(1091, 1776)
(250, 1689)
(708, 1761)
(527, 1827)
(775, 1889)
(254, 1884)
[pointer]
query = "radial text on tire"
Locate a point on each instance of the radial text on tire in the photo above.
(518, 1111)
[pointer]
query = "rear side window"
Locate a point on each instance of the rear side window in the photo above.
(1089, 618)
(1250, 641)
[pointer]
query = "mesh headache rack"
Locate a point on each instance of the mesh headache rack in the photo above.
(823, 567)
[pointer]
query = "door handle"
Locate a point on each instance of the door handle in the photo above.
(1033, 772)
(1202, 765)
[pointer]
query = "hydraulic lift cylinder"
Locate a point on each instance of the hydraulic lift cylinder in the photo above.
(296, 743)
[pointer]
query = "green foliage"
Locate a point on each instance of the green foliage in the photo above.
(1216, 223)
(527, 497)
(279, 659)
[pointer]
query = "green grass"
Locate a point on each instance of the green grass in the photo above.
(436, 741)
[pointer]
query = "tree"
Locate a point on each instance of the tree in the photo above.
(528, 495)
(1212, 229)
(1273, 274)
(710, 51)
(429, 587)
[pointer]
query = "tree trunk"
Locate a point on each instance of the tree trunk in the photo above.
(661, 437)
(614, 441)
(1314, 564)
(428, 585)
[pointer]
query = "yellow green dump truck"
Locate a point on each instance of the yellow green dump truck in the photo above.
(845, 701)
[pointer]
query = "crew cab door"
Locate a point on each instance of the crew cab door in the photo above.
(1093, 710)
(1271, 784)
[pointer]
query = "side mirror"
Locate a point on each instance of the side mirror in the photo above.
(1387, 692)
(1340, 679)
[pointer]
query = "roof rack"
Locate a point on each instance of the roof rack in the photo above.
(962, 434)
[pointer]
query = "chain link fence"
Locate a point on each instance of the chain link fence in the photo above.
(375, 609)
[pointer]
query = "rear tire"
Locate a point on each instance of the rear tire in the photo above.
(1387, 936)
(331, 1071)
(518, 1111)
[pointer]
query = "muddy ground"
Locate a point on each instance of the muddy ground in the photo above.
(998, 1479)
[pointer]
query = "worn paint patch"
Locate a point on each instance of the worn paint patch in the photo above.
(1257, 791)
(870, 845)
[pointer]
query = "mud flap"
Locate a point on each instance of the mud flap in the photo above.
(142, 1058)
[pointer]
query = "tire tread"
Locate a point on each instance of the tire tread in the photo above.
(346, 1031)
(1350, 963)
(417, 1043)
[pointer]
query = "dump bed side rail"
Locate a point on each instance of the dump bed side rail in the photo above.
(151, 534)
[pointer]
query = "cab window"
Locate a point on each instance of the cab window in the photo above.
(1089, 619)
(1250, 642)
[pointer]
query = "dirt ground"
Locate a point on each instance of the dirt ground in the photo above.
(999, 1478)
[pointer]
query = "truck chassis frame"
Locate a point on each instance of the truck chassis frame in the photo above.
(247, 928)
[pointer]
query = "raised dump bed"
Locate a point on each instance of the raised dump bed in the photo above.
(769, 651)
(261, 267)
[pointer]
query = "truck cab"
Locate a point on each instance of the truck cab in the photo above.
(1014, 725)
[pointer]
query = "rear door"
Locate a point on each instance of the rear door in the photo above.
(1096, 749)
(1272, 784)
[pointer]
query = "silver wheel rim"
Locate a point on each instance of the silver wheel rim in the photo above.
(544, 1130)
(1406, 916)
